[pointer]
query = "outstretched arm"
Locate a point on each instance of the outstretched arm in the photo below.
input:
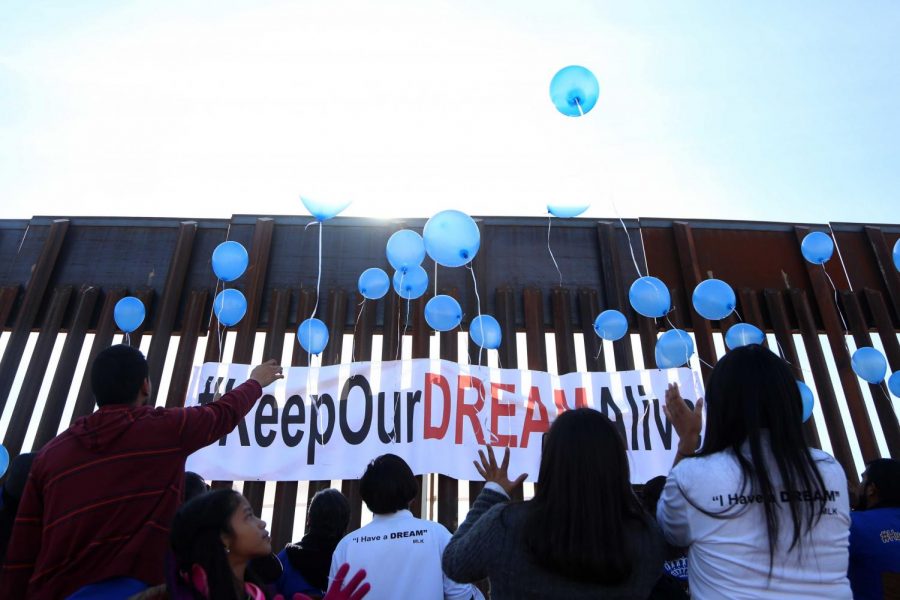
(202, 425)
(475, 542)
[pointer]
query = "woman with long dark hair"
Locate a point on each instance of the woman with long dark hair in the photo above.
(214, 538)
(584, 535)
(764, 515)
(307, 562)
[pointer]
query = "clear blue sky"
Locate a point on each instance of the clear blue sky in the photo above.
(764, 110)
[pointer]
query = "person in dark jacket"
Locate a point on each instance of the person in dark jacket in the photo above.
(307, 562)
(102, 494)
(584, 535)
(10, 496)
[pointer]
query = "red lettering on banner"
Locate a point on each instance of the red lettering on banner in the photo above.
(432, 432)
(532, 425)
(469, 410)
(559, 398)
(502, 409)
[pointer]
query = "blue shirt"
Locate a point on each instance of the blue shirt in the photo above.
(291, 581)
(874, 549)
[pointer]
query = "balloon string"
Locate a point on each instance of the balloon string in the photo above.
(836, 304)
(578, 104)
(362, 306)
(399, 338)
(319, 276)
(478, 304)
(741, 319)
(406, 321)
(435, 278)
(630, 244)
(553, 258)
(840, 257)
(127, 339)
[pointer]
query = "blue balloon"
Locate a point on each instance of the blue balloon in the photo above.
(743, 334)
(405, 250)
(373, 283)
(611, 325)
(897, 254)
(230, 307)
(129, 313)
(4, 460)
(451, 238)
(229, 261)
(808, 399)
(412, 284)
(574, 91)
(714, 299)
(673, 349)
(894, 383)
(323, 211)
(650, 297)
(442, 313)
(485, 332)
(312, 335)
(566, 211)
(869, 364)
(817, 247)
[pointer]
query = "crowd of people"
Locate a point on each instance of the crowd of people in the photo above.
(106, 510)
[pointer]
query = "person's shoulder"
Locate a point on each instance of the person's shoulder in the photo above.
(702, 464)
(820, 456)
(874, 517)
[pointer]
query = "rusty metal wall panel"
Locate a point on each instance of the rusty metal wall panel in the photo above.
(65, 368)
(106, 328)
(286, 491)
(37, 368)
(187, 349)
(37, 283)
(513, 271)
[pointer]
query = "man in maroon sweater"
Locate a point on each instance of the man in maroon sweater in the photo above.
(102, 494)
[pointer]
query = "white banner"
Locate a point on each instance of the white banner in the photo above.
(329, 422)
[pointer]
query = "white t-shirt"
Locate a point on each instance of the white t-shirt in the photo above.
(729, 557)
(402, 558)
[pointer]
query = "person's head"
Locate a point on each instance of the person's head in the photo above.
(329, 515)
(119, 376)
(752, 390)
(576, 520)
(194, 485)
(388, 485)
(880, 486)
(218, 533)
(753, 403)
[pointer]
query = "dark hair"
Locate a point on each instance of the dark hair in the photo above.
(388, 485)
(117, 375)
(884, 474)
(575, 525)
(194, 485)
(329, 515)
(196, 539)
(752, 391)
(651, 492)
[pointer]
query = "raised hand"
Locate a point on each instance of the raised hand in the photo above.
(687, 423)
(267, 372)
(498, 474)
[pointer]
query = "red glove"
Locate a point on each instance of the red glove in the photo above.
(353, 590)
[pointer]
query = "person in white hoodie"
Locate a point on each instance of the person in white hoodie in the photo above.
(763, 515)
(400, 553)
